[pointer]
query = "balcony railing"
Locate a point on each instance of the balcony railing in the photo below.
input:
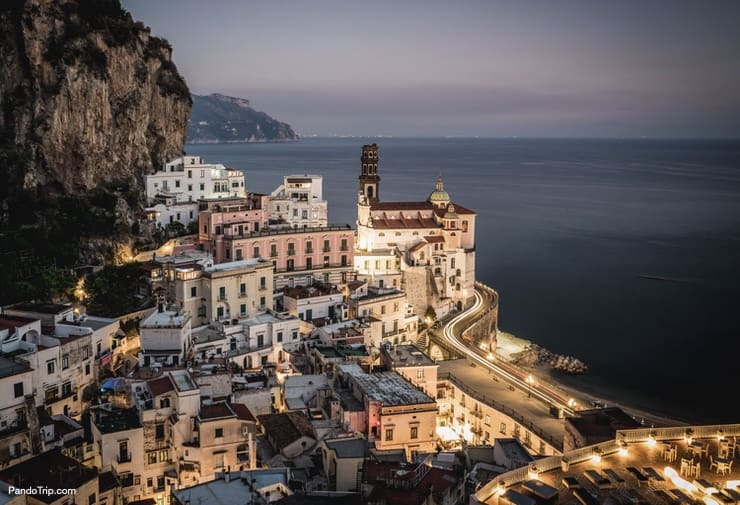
(124, 458)
(15, 426)
(221, 298)
(242, 294)
(285, 231)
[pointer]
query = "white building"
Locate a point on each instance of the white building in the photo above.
(175, 189)
(165, 337)
(298, 203)
(426, 246)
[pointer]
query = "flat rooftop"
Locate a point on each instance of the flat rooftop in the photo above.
(10, 367)
(166, 319)
(267, 317)
(641, 473)
(236, 491)
(112, 421)
(408, 355)
(183, 380)
(348, 447)
(317, 289)
(390, 389)
(236, 265)
(40, 308)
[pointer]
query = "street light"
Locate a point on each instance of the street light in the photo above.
(530, 382)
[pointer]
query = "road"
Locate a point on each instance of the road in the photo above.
(484, 299)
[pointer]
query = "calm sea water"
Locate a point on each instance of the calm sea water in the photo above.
(566, 229)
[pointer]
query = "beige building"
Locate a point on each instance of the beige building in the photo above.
(399, 415)
(165, 337)
(415, 366)
(342, 459)
(389, 306)
(16, 403)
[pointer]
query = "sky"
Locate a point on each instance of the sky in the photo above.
(562, 68)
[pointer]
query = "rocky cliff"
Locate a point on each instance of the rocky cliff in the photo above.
(220, 118)
(90, 101)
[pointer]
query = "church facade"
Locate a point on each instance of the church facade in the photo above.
(425, 248)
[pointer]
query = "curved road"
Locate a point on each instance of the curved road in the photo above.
(485, 298)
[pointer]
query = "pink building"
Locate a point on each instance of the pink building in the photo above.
(233, 217)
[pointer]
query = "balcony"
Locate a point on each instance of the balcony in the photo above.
(477, 413)
(16, 426)
(242, 294)
(221, 298)
(309, 250)
(124, 458)
(327, 249)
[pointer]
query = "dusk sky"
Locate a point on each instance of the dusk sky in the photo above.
(428, 68)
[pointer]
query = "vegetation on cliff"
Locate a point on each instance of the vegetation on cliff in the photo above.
(220, 118)
(89, 103)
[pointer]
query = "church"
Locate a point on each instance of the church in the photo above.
(425, 248)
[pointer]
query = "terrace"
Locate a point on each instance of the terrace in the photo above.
(653, 465)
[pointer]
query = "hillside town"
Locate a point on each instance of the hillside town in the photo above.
(289, 360)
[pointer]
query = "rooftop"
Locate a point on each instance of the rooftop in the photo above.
(317, 289)
(242, 412)
(10, 367)
(648, 465)
(284, 429)
(160, 385)
(598, 425)
(162, 318)
(348, 447)
(513, 449)
(215, 411)
(407, 355)
(390, 389)
(235, 491)
(41, 308)
(237, 265)
(112, 421)
(51, 470)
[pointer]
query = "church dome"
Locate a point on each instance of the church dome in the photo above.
(439, 195)
(450, 214)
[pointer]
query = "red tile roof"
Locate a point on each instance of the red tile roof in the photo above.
(215, 411)
(242, 412)
(161, 385)
(434, 239)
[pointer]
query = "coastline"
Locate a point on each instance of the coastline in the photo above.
(584, 393)
(257, 141)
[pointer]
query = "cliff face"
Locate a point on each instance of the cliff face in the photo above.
(220, 118)
(89, 103)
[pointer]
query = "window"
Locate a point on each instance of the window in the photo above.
(18, 389)
(202, 187)
(85, 352)
(309, 247)
(309, 263)
(220, 312)
(177, 183)
(452, 263)
(194, 291)
(295, 335)
(344, 244)
(164, 455)
(291, 249)
(91, 499)
(239, 254)
(388, 435)
(164, 403)
(344, 260)
(190, 174)
(280, 336)
(65, 361)
(290, 264)
(51, 366)
(87, 368)
(262, 301)
(326, 261)
(488, 420)
(256, 252)
(218, 229)
(222, 293)
(304, 214)
(273, 250)
(295, 212)
(263, 283)
(382, 309)
(149, 482)
(326, 246)
(151, 458)
(219, 433)
(420, 374)
(243, 289)
(243, 309)
(502, 428)
(159, 431)
(414, 432)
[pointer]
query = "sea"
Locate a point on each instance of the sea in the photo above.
(623, 253)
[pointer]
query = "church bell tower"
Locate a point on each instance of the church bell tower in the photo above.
(369, 179)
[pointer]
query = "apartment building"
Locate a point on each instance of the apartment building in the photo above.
(298, 203)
